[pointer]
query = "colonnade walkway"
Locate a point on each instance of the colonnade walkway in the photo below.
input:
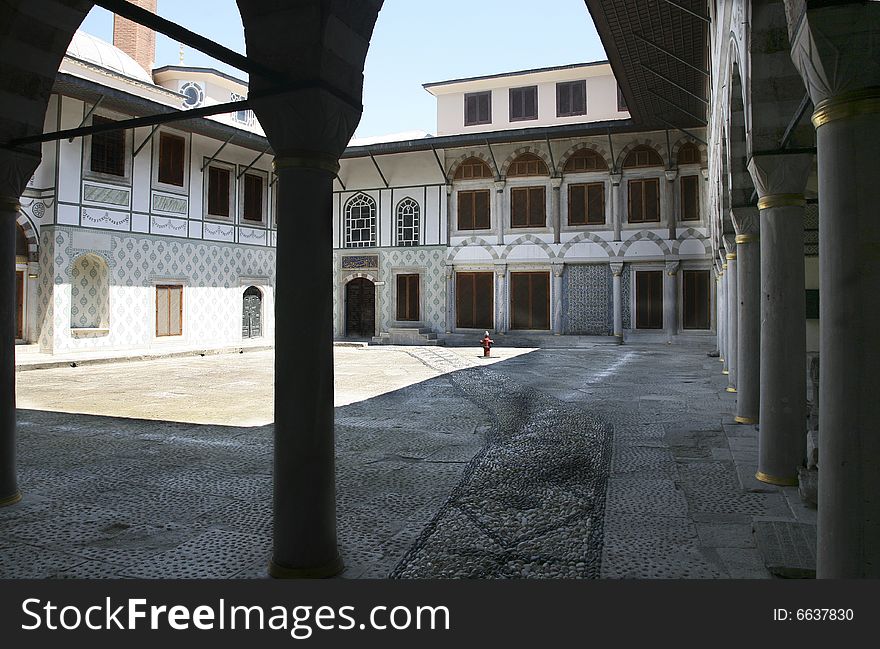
(591, 462)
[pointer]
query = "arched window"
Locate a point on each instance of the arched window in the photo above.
(689, 154)
(584, 160)
(90, 293)
(408, 223)
(472, 169)
(360, 222)
(643, 156)
(527, 164)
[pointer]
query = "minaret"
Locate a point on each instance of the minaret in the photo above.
(137, 41)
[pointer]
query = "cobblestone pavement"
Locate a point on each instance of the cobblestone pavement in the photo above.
(606, 461)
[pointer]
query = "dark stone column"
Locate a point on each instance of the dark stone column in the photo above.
(732, 316)
(670, 300)
(9, 493)
(617, 293)
(748, 349)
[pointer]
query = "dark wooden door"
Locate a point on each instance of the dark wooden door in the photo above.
(530, 300)
(360, 308)
(19, 305)
(649, 299)
(252, 313)
(474, 300)
(696, 299)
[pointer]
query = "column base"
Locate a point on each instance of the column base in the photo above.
(330, 569)
(10, 500)
(780, 482)
(731, 389)
(745, 420)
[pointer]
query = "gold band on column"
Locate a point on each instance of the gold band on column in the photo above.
(730, 256)
(731, 390)
(850, 104)
(9, 205)
(772, 479)
(745, 420)
(725, 372)
(724, 266)
(10, 500)
(747, 238)
(307, 160)
(781, 200)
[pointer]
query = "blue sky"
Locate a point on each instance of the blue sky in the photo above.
(415, 41)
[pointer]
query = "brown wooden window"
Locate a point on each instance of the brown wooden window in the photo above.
(643, 156)
(108, 150)
(169, 310)
(644, 200)
(528, 207)
(473, 210)
(477, 108)
(695, 299)
(474, 300)
(528, 164)
(473, 169)
(253, 198)
(649, 299)
(523, 103)
(586, 204)
(172, 159)
(585, 160)
(690, 198)
(218, 191)
(408, 297)
(689, 154)
(571, 98)
(530, 300)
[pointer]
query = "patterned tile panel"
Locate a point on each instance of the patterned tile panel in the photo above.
(588, 296)
(625, 293)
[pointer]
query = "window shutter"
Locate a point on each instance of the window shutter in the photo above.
(465, 210)
(412, 296)
(596, 203)
(537, 205)
(471, 109)
(253, 197)
(175, 308)
(576, 205)
(652, 200)
(481, 210)
(519, 205)
(563, 99)
(172, 151)
(690, 198)
(218, 191)
(578, 98)
(162, 298)
(530, 101)
(635, 201)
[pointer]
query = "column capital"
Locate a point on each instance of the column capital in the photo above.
(836, 49)
(501, 270)
(672, 267)
(671, 174)
(558, 268)
(777, 174)
(745, 220)
(16, 169)
(450, 271)
(448, 189)
(616, 268)
(556, 182)
(615, 176)
(500, 185)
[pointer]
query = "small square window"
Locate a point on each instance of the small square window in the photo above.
(571, 98)
(477, 108)
(523, 103)
(108, 149)
(253, 198)
(219, 186)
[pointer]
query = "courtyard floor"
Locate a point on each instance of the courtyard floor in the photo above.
(603, 461)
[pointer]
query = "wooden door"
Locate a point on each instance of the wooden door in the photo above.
(474, 300)
(252, 313)
(19, 305)
(649, 299)
(696, 299)
(530, 300)
(360, 308)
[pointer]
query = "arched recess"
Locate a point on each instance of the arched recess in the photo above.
(640, 156)
(644, 235)
(525, 153)
(528, 238)
(739, 181)
(584, 150)
(685, 151)
(31, 235)
(471, 166)
(659, 149)
(472, 241)
(89, 293)
(592, 237)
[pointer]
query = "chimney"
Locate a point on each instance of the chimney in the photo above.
(137, 41)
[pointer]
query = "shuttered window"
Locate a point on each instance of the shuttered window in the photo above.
(408, 297)
(528, 207)
(530, 300)
(523, 103)
(571, 98)
(473, 210)
(218, 191)
(477, 108)
(644, 200)
(695, 299)
(586, 204)
(108, 150)
(169, 310)
(253, 198)
(172, 155)
(474, 300)
(690, 198)
(649, 299)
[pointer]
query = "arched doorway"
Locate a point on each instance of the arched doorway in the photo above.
(252, 313)
(360, 308)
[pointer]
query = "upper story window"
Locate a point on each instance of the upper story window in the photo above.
(527, 164)
(621, 101)
(473, 210)
(528, 207)
(523, 103)
(408, 222)
(108, 149)
(473, 169)
(360, 222)
(690, 198)
(219, 191)
(642, 156)
(644, 200)
(585, 160)
(252, 206)
(689, 154)
(478, 108)
(172, 159)
(586, 204)
(571, 98)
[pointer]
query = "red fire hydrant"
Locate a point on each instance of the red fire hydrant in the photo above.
(486, 342)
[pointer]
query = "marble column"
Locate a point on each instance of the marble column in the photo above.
(555, 208)
(670, 300)
(722, 316)
(500, 298)
(9, 493)
(500, 215)
(780, 180)
(450, 298)
(557, 272)
(617, 291)
(725, 320)
(617, 205)
(671, 175)
(748, 348)
(732, 316)
(836, 49)
(717, 313)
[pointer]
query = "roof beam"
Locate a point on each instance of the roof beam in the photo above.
(702, 120)
(213, 157)
(681, 130)
(494, 161)
(150, 137)
(251, 165)
(439, 164)
(670, 54)
(795, 120)
(381, 175)
(673, 83)
(89, 114)
(681, 7)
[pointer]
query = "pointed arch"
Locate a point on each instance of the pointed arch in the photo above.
(360, 221)
(535, 151)
(658, 148)
(568, 161)
(687, 151)
(470, 158)
(30, 233)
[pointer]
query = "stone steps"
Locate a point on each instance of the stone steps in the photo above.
(407, 336)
